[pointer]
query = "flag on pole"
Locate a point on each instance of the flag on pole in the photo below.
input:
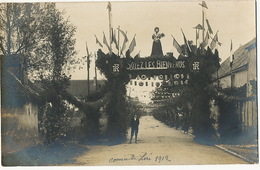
(124, 45)
(123, 33)
(125, 39)
(132, 45)
(177, 45)
(112, 35)
(114, 39)
(204, 5)
(231, 57)
(209, 27)
(214, 42)
(109, 6)
(87, 48)
(197, 34)
(105, 42)
(206, 40)
(186, 42)
(98, 42)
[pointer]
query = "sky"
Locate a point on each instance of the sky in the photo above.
(233, 19)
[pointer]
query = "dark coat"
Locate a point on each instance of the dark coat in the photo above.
(134, 123)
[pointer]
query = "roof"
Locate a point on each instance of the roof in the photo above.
(79, 88)
(240, 61)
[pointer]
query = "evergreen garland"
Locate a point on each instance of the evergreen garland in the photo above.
(116, 107)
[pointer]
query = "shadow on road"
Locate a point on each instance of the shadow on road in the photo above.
(53, 154)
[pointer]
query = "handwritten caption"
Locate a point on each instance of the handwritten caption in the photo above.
(143, 157)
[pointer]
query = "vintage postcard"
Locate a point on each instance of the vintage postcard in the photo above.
(120, 83)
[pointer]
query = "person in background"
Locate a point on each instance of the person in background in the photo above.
(134, 127)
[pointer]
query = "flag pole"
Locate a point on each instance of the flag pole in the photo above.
(203, 30)
(110, 27)
(88, 65)
(118, 42)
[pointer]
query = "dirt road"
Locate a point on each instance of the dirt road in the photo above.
(158, 144)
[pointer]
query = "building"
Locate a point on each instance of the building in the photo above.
(142, 87)
(242, 71)
(79, 88)
(19, 107)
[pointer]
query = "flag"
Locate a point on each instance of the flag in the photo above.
(214, 42)
(209, 27)
(204, 5)
(177, 45)
(124, 45)
(98, 42)
(231, 57)
(112, 35)
(109, 6)
(206, 40)
(105, 41)
(124, 34)
(186, 42)
(132, 45)
(114, 39)
(125, 39)
(197, 34)
(87, 48)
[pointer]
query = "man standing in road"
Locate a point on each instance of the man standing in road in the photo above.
(134, 128)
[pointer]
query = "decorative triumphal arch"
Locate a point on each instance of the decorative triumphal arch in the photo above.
(147, 74)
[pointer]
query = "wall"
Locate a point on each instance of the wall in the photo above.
(225, 82)
(19, 128)
(240, 78)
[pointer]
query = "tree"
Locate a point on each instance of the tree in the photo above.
(29, 33)
(41, 41)
(58, 47)
(195, 96)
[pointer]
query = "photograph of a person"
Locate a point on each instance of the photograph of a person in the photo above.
(121, 83)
